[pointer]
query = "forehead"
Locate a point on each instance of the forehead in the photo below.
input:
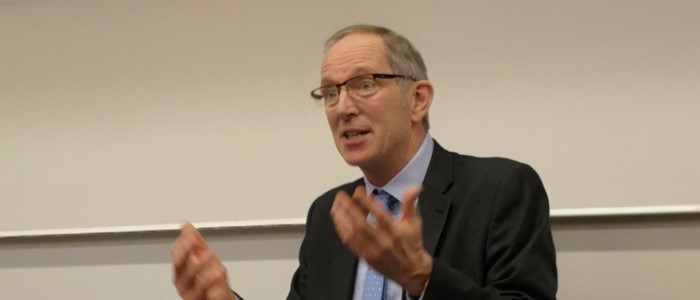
(355, 54)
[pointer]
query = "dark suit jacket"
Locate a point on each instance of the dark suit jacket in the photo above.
(485, 221)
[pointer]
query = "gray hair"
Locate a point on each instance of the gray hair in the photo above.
(403, 58)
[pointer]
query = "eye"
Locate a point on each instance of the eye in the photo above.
(330, 93)
(366, 85)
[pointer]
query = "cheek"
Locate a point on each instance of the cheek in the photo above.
(332, 123)
(330, 117)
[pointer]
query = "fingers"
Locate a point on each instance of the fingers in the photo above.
(210, 273)
(182, 256)
(189, 229)
(348, 217)
(384, 218)
(198, 272)
(393, 248)
(188, 283)
(364, 238)
(409, 202)
(185, 243)
(195, 265)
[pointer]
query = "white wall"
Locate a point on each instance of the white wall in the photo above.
(148, 112)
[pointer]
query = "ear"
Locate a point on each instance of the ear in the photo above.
(422, 98)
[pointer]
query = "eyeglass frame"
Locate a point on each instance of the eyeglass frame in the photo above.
(317, 95)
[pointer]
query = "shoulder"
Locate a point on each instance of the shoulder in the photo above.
(492, 166)
(479, 169)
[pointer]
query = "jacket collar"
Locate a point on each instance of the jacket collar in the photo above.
(434, 204)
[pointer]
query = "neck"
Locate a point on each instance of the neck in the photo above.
(380, 173)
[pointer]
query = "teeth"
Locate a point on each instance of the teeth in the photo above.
(353, 134)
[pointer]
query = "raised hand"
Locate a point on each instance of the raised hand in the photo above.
(394, 248)
(198, 274)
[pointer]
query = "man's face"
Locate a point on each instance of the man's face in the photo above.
(369, 133)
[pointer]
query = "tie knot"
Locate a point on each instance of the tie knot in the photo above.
(388, 200)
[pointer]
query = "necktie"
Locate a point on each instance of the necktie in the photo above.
(375, 283)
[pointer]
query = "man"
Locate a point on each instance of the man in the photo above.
(465, 227)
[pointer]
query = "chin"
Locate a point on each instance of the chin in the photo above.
(352, 161)
(353, 158)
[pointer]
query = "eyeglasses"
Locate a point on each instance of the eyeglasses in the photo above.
(360, 87)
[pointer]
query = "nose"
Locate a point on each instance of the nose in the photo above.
(346, 105)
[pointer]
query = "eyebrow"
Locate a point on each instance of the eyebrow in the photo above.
(356, 71)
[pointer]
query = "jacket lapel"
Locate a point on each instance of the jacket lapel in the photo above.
(433, 204)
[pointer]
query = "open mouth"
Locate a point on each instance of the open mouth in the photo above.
(354, 134)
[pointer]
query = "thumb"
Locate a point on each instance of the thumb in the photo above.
(187, 229)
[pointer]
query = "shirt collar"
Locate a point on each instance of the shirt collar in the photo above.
(413, 173)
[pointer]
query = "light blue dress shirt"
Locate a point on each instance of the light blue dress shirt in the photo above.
(413, 173)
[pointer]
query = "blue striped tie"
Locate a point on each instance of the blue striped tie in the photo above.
(375, 283)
